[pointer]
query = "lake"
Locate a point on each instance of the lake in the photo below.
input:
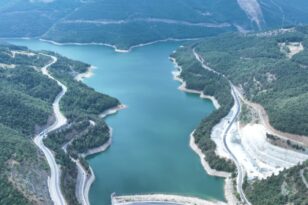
(150, 152)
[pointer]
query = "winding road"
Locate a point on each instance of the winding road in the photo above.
(54, 181)
(237, 104)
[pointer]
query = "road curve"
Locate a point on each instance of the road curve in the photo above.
(83, 184)
(54, 181)
(241, 174)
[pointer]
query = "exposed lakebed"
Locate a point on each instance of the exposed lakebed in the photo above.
(150, 152)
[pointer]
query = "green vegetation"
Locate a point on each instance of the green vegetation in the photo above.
(96, 135)
(287, 187)
(18, 149)
(198, 78)
(285, 143)
(144, 21)
(81, 105)
(267, 76)
(55, 20)
(306, 174)
(141, 21)
(257, 65)
(25, 107)
(129, 34)
(280, 13)
(80, 100)
(56, 142)
(245, 116)
(32, 18)
(23, 88)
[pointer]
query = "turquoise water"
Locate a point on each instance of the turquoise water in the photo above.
(150, 151)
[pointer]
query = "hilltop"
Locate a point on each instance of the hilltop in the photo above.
(127, 23)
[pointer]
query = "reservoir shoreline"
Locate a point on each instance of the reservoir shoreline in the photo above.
(228, 187)
(193, 185)
(90, 178)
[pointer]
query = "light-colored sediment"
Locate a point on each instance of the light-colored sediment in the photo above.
(162, 198)
(228, 130)
(88, 184)
(264, 119)
(7, 66)
(116, 49)
(176, 76)
(230, 192)
(85, 179)
(148, 20)
(248, 143)
(228, 188)
(253, 10)
(257, 155)
(101, 148)
(204, 163)
(291, 49)
(112, 111)
(87, 74)
(274, 32)
(26, 53)
(254, 154)
(217, 134)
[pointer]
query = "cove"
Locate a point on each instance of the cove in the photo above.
(150, 152)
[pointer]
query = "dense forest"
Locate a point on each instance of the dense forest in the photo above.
(265, 73)
(287, 187)
(125, 23)
(85, 130)
(197, 78)
(142, 21)
(271, 69)
(26, 108)
(267, 76)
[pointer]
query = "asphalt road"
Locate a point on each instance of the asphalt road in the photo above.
(54, 180)
(241, 174)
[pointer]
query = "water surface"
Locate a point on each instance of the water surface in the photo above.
(150, 151)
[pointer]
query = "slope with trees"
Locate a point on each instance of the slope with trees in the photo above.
(26, 108)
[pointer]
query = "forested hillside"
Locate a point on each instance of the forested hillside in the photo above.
(26, 108)
(270, 68)
(26, 98)
(198, 78)
(126, 23)
(290, 186)
(85, 130)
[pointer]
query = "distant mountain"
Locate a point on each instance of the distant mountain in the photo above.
(126, 23)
